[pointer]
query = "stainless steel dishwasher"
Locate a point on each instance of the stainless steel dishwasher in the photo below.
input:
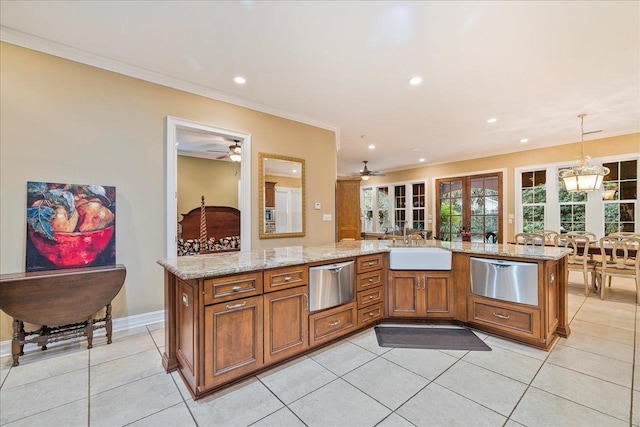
(505, 280)
(331, 285)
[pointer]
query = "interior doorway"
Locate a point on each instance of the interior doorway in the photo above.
(174, 124)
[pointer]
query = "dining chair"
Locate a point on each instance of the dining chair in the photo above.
(623, 261)
(579, 260)
(533, 239)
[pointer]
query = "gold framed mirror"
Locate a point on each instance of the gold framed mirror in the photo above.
(281, 196)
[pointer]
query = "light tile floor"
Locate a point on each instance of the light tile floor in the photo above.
(590, 379)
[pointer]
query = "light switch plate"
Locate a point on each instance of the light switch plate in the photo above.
(326, 217)
(316, 205)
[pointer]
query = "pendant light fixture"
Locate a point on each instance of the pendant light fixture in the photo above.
(584, 177)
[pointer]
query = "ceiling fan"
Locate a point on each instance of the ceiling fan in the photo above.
(365, 173)
(234, 153)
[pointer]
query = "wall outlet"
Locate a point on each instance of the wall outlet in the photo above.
(316, 206)
(326, 217)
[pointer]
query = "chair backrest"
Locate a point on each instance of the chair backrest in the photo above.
(561, 239)
(533, 239)
(592, 237)
(579, 246)
(624, 234)
(550, 235)
(624, 254)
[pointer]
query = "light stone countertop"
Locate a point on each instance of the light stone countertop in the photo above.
(210, 265)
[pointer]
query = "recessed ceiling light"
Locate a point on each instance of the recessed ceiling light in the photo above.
(415, 81)
(421, 159)
(492, 120)
(371, 147)
(240, 80)
(523, 140)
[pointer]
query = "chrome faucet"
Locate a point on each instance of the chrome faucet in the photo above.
(404, 235)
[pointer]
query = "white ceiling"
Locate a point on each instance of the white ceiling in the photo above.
(533, 65)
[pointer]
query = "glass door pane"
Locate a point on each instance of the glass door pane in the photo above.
(470, 208)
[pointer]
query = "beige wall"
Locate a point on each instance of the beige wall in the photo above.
(625, 144)
(215, 180)
(62, 121)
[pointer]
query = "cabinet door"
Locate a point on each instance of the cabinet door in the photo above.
(405, 294)
(286, 323)
(438, 294)
(232, 340)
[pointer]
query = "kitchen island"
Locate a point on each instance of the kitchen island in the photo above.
(231, 315)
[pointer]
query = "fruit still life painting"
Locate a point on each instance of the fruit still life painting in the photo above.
(70, 226)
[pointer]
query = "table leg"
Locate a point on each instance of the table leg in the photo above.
(108, 324)
(88, 331)
(16, 348)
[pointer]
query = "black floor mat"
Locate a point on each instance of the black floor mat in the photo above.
(433, 338)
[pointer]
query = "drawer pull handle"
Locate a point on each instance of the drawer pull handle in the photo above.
(236, 288)
(185, 299)
(287, 278)
(370, 280)
(501, 316)
(231, 307)
(372, 296)
(337, 322)
(371, 314)
(371, 263)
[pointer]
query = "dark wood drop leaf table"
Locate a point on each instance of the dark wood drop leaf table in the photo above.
(62, 302)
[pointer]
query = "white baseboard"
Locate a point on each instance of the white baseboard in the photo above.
(119, 324)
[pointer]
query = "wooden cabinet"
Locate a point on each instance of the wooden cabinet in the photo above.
(285, 278)
(420, 294)
(517, 319)
(370, 288)
(270, 194)
(228, 288)
(348, 222)
(536, 325)
(286, 323)
(232, 341)
(332, 323)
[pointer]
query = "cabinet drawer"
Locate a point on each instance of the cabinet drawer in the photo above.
(370, 296)
(332, 323)
(369, 280)
(369, 263)
(510, 318)
(231, 287)
(285, 278)
(370, 314)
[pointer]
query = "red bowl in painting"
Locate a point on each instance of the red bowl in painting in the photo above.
(72, 249)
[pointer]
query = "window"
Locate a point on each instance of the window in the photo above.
(384, 221)
(470, 208)
(534, 199)
(387, 208)
(400, 205)
(573, 209)
(613, 208)
(367, 209)
(418, 210)
(620, 196)
(450, 209)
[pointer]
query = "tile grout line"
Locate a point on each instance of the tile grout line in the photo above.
(633, 366)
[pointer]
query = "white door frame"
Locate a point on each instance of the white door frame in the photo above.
(171, 174)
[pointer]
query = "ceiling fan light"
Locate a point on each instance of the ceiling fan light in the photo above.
(365, 177)
(235, 157)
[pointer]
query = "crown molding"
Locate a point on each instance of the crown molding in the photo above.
(9, 35)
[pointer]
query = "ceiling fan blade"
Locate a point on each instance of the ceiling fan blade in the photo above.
(224, 156)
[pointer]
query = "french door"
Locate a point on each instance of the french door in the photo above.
(470, 208)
